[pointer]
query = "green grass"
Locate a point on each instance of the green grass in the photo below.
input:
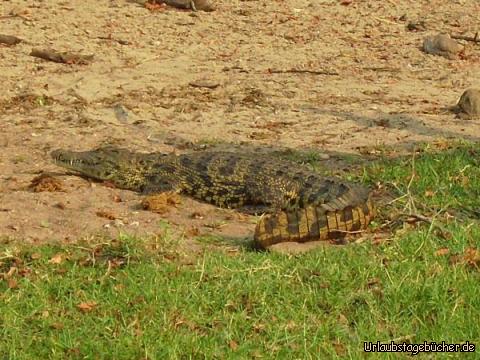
(141, 299)
(449, 179)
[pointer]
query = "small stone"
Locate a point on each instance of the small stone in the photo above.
(118, 223)
(441, 45)
(120, 113)
(469, 103)
(203, 5)
(416, 26)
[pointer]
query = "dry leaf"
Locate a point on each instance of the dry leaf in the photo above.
(56, 259)
(12, 283)
(46, 182)
(291, 325)
(35, 256)
(108, 184)
(442, 144)
(441, 252)
(472, 257)
(233, 345)
(74, 351)
(57, 326)
(11, 271)
(256, 135)
(87, 306)
(340, 348)
(373, 282)
(259, 328)
(138, 331)
(429, 193)
(105, 214)
(119, 287)
(161, 203)
(342, 319)
(454, 259)
(154, 6)
(192, 231)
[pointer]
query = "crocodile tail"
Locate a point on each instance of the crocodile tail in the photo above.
(348, 213)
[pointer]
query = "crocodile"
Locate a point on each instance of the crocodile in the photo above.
(299, 204)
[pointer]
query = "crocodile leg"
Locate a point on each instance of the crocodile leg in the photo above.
(157, 186)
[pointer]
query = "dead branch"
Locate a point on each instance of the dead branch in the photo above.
(475, 38)
(119, 41)
(9, 40)
(303, 71)
(61, 57)
(418, 217)
(13, 15)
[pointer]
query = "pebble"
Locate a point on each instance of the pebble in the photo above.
(442, 45)
(203, 5)
(469, 103)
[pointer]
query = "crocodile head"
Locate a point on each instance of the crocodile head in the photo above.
(119, 166)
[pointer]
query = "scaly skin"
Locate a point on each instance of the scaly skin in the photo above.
(332, 220)
(301, 204)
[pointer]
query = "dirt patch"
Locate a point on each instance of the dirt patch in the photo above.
(325, 75)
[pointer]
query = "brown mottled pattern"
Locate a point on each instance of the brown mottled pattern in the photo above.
(313, 223)
(302, 204)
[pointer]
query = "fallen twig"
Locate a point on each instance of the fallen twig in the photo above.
(419, 217)
(204, 84)
(61, 57)
(475, 38)
(303, 71)
(120, 41)
(9, 40)
(382, 68)
(9, 16)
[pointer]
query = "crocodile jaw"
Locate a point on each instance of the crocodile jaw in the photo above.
(98, 164)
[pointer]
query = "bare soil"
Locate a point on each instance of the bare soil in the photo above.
(332, 76)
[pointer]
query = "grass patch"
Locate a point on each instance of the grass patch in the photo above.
(137, 299)
(446, 180)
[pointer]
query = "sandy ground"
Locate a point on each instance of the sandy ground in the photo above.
(370, 85)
